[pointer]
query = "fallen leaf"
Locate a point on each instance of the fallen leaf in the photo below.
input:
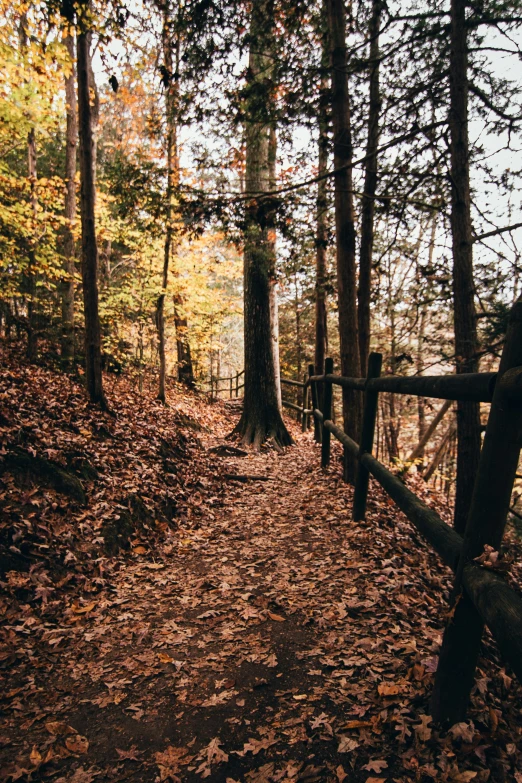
(376, 765)
(276, 617)
(346, 744)
(77, 744)
(422, 729)
(340, 773)
(59, 728)
(129, 755)
(386, 689)
(83, 609)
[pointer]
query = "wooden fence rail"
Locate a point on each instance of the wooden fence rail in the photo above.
(233, 386)
(480, 594)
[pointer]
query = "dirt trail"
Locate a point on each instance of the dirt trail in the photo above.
(271, 640)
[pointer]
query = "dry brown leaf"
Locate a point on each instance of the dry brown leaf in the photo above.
(77, 744)
(77, 609)
(276, 617)
(346, 744)
(35, 757)
(388, 689)
(59, 728)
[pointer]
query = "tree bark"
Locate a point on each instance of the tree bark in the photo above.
(370, 189)
(171, 60)
(29, 282)
(71, 138)
(261, 416)
(171, 86)
(93, 362)
(32, 335)
(274, 303)
(321, 235)
(345, 227)
(466, 342)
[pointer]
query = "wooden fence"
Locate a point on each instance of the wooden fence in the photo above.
(481, 595)
(232, 387)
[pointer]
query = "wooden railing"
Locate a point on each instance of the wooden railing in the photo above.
(483, 596)
(232, 388)
(303, 411)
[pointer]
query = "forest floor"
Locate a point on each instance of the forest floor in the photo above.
(252, 633)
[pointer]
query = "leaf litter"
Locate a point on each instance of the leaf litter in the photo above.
(246, 631)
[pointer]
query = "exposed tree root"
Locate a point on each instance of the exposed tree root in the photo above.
(256, 434)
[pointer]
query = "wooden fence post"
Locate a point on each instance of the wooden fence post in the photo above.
(231, 388)
(327, 414)
(367, 434)
(237, 385)
(486, 521)
(315, 404)
(304, 417)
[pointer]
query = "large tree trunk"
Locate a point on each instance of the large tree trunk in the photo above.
(345, 226)
(261, 416)
(370, 188)
(93, 363)
(71, 138)
(466, 343)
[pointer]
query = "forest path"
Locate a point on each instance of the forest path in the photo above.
(272, 640)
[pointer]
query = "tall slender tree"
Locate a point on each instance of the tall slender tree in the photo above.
(71, 138)
(261, 416)
(171, 49)
(344, 224)
(321, 231)
(370, 188)
(465, 318)
(93, 358)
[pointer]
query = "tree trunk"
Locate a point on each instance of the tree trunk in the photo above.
(345, 227)
(93, 363)
(418, 451)
(274, 303)
(67, 347)
(466, 343)
(321, 236)
(261, 416)
(370, 188)
(421, 335)
(441, 448)
(32, 335)
(171, 87)
(171, 60)
(185, 367)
